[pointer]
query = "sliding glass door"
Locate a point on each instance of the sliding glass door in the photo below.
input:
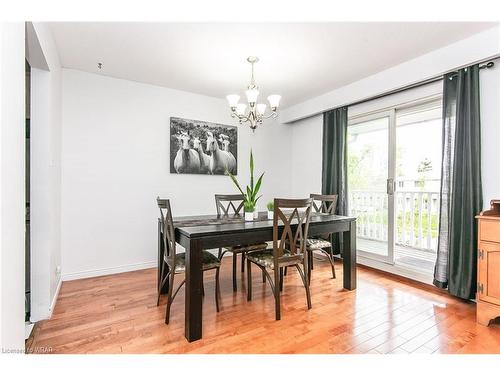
(394, 169)
(371, 183)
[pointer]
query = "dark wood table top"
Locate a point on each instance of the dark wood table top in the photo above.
(202, 225)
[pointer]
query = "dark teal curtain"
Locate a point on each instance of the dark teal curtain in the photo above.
(334, 168)
(461, 190)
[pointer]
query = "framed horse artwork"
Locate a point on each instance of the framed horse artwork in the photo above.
(201, 147)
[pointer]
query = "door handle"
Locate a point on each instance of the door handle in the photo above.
(390, 186)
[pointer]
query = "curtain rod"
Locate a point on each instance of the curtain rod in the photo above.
(485, 65)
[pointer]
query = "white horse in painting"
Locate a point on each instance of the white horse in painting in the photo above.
(224, 140)
(204, 158)
(220, 160)
(186, 160)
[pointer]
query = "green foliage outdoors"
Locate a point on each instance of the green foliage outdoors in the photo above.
(378, 218)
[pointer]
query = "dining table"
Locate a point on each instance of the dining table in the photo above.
(201, 232)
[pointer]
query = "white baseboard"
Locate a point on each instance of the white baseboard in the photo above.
(108, 271)
(54, 300)
(117, 269)
(397, 270)
(28, 327)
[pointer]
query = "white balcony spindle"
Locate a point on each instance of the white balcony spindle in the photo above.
(403, 226)
(412, 219)
(429, 220)
(420, 217)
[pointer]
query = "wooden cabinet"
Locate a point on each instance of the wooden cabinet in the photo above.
(488, 283)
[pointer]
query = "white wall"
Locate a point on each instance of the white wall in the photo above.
(45, 194)
(115, 161)
(307, 139)
(490, 137)
(462, 53)
(12, 186)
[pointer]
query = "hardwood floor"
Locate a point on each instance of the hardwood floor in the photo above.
(118, 314)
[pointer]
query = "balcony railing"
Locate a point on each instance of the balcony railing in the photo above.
(416, 217)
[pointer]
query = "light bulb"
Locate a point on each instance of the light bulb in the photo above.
(233, 100)
(252, 95)
(274, 101)
(261, 108)
(240, 109)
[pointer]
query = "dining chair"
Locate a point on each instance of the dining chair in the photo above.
(230, 205)
(322, 204)
(289, 248)
(175, 263)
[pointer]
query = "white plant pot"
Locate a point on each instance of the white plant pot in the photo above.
(248, 216)
(270, 215)
(256, 214)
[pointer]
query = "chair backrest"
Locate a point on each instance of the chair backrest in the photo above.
(325, 204)
(229, 204)
(295, 220)
(168, 230)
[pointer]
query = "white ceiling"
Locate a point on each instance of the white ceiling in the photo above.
(298, 61)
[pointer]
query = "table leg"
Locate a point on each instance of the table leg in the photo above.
(194, 280)
(349, 257)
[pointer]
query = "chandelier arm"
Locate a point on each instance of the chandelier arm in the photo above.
(243, 118)
(272, 115)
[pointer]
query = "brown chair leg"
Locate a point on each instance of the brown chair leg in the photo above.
(235, 287)
(243, 256)
(306, 285)
(217, 289)
(249, 280)
(277, 294)
(286, 270)
(169, 297)
(263, 277)
(162, 282)
(309, 265)
(281, 279)
(202, 288)
(329, 255)
(221, 253)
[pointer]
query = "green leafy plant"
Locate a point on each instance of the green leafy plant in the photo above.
(250, 196)
(270, 206)
(248, 206)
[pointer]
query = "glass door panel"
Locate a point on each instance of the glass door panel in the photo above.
(418, 185)
(370, 183)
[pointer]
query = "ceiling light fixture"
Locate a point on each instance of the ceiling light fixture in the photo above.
(256, 112)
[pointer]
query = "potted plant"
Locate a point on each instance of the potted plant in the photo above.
(270, 210)
(249, 211)
(250, 197)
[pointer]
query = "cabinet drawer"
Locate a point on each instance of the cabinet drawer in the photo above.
(489, 230)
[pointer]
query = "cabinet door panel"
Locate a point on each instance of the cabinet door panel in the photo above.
(489, 275)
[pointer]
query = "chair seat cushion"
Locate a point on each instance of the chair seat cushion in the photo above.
(244, 248)
(208, 260)
(264, 258)
(317, 243)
